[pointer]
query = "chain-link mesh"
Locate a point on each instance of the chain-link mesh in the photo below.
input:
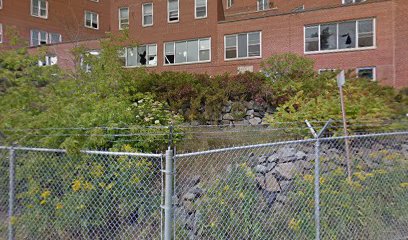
(249, 193)
(373, 204)
(87, 196)
(4, 186)
(265, 191)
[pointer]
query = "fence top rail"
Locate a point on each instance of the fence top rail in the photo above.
(288, 142)
(159, 155)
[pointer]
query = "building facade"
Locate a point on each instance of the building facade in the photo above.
(217, 36)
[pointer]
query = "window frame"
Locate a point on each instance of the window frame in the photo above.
(237, 49)
(147, 54)
(143, 14)
(120, 18)
(1, 32)
(168, 12)
(229, 3)
(356, 48)
(1, 4)
(97, 20)
(39, 9)
(367, 68)
(263, 4)
(186, 41)
(354, 2)
(195, 10)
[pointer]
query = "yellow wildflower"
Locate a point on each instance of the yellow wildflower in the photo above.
(88, 186)
(294, 225)
(76, 185)
(102, 184)
(59, 206)
(226, 188)
(308, 178)
(135, 179)
(45, 194)
(404, 185)
(360, 175)
(43, 202)
(241, 195)
(322, 180)
(110, 186)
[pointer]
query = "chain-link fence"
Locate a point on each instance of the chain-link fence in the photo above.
(300, 189)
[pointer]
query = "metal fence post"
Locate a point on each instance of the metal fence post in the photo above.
(168, 196)
(11, 193)
(317, 188)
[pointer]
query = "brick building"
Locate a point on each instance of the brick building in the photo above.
(217, 36)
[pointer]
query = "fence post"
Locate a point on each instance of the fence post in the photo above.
(168, 196)
(317, 173)
(11, 193)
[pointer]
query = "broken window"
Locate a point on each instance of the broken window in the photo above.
(262, 5)
(147, 14)
(49, 60)
(339, 36)
(91, 20)
(190, 51)
(55, 38)
(366, 72)
(173, 10)
(39, 8)
(123, 18)
(143, 55)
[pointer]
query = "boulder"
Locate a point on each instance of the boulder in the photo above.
(286, 170)
(271, 184)
(255, 121)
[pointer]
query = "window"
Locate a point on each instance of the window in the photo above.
(326, 70)
(147, 13)
(91, 20)
(55, 38)
(229, 3)
(243, 45)
(41, 38)
(48, 61)
(39, 8)
(1, 33)
(144, 55)
(340, 36)
(87, 58)
(352, 1)
(173, 10)
(366, 72)
(200, 8)
(262, 5)
(190, 51)
(1, 4)
(123, 18)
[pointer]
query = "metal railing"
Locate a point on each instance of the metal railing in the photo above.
(300, 189)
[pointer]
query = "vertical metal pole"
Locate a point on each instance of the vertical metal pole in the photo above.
(317, 188)
(168, 197)
(343, 111)
(11, 193)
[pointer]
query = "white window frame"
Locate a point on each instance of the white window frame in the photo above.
(368, 68)
(263, 4)
(356, 48)
(97, 20)
(50, 38)
(85, 65)
(120, 18)
(195, 10)
(183, 63)
(354, 2)
(143, 14)
(241, 58)
(49, 60)
(33, 14)
(38, 37)
(1, 4)
(229, 3)
(147, 54)
(1, 32)
(178, 12)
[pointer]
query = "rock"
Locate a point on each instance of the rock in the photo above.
(195, 180)
(260, 180)
(286, 152)
(271, 166)
(270, 197)
(193, 194)
(255, 121)
(300, 155)
(282, 198)
(249, 105)
(286, 186)
(305, 166)
(258, 107)
(271, 184)
(273, 158)
(250, 112)
(195, 123)
(270, 109)
(228, 116)
(262, 159)
(227, 108)
(261, 169)
(286, 170)
(259, 114)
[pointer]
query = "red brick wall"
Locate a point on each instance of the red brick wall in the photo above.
(64, 17)
(401, 43)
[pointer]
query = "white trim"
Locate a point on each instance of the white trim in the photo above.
(356, 48)
(1, 32)
(178, 12)
(97, 20)
(354, 2)
(1, 4)
(242, 58)
(368, 68)
(195, 10)
(147, 54)
(198, 54)
(120, 19)
(229, 3)
(143, 14)
(39, 9)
